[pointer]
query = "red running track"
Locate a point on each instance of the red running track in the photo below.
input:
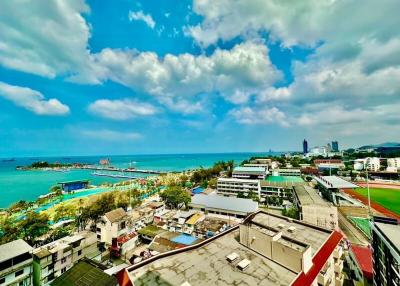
(379, 185)
(374, 205)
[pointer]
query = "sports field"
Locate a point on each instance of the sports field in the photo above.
(388, 198)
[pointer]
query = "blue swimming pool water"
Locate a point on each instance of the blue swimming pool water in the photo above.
(184, 239)
(197, 190)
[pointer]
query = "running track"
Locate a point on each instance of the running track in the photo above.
(374, 205)
(379, 185)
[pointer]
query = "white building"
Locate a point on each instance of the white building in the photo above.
(249, 173)
(287, 172)
(55, 258)
(15, 263)
(233, 207)
(393, 164)
(234, 186)
(113, 225)
(369, 163)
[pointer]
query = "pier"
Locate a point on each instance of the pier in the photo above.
(123, 170)
(111, 175)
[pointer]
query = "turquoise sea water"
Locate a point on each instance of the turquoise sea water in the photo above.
(28, 185)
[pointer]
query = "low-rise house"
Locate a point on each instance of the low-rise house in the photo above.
(55, 258)
(190, 224)
(112, 225)
(178, 220)
(16, 263)
(146, 214)
(209, 227)
(157, 207)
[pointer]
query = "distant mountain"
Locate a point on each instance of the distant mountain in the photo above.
(382, 145)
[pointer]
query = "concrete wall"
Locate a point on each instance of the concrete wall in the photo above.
(321, 215)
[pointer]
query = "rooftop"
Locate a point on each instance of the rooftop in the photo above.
(305, 233)
(13, 248)
(85, 273)
(225, 203)
(391, 231)
(249, 169)
(364, 259)
(335, 182)
(72, 182)
(115, 215)
(238, 180)
(209, 264)
(309, 196)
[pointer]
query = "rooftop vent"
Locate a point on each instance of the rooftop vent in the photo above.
(232, 257)
(281, 225)
(242, 265)
(291, 229)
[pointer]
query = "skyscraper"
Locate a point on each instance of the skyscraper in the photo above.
(305, 146)
(335, 146)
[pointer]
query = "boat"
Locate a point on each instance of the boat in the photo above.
(8, 160)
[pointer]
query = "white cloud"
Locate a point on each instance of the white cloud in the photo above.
(111, 135)
(121, 109)
(264, 115)
(47, 38)
(179, 81)
(140, 16)
(32, 100)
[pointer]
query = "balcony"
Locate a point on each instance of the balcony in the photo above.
(338, 252)
(339, 266)
(339, 280)
(323, 278)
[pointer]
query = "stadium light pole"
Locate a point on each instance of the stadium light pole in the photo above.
(369, 195)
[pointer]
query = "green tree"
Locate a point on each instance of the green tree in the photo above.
(175, 196)
(33, 226)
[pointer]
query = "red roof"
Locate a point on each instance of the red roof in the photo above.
(126, 237)
(319, 260)
(364, 259)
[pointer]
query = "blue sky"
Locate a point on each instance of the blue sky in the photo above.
(94, 77)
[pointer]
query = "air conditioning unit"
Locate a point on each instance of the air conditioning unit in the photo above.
(291, 229)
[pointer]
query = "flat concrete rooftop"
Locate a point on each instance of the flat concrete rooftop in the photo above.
(391, 231)
(308, 196)
(208, 265)
(303, 232)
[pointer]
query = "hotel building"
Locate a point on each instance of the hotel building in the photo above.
(254, 173)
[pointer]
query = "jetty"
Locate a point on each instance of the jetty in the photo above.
(112, 175)
(122, 170)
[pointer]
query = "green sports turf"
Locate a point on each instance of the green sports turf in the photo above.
(388, 198)
(362, 224)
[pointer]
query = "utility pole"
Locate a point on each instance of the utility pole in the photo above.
(369, 195)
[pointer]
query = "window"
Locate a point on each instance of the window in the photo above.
(79, 252)
(19, 272)
(63, 260)
(50, 267)
(2, 280)
(122, 225)
(63, 270)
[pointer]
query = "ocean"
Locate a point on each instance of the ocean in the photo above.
(28, 185)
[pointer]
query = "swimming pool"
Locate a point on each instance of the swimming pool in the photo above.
(197, 190)
(184, 239)
(284, 179)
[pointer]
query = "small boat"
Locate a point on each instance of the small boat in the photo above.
(8, 160)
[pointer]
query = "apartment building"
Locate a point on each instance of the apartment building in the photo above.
(16, 263)
(393, 164)
(265, 249)
(370, 163)
(287, 172)
(234, 186)
(112, 225)
(386, 252)
(55, 258)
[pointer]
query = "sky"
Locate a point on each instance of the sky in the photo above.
(86, 77)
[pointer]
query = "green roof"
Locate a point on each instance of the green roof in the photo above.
(249, 169)
(150, 230)
(85, 273)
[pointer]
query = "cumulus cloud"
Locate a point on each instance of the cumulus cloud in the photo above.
(46, 38)
(264, 115)
(111, 135)
(121, 109)
(174, 80)
(32, 100)
(140, 16)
